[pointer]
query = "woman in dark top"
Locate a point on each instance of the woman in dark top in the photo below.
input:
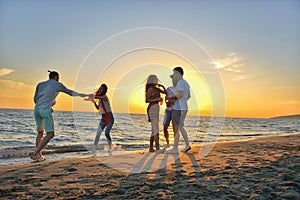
(153, 98)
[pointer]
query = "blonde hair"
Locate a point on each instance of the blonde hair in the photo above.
(151, 82)
(152, 79)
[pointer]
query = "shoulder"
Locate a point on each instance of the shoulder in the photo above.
(40, 84)
(106, 97)
(59, 84)
(180, 83)
(43, 82)
(184, 83)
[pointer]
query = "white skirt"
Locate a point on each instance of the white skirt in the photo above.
(154, 117)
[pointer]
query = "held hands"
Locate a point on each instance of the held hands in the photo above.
(90, 97)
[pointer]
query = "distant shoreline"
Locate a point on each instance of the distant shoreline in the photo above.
(297, 117)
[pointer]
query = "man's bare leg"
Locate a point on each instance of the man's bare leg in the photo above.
(176, 137)
(39, 138)
(186, 139)
(42, 144)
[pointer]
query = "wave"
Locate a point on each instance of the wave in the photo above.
(130, 132)
(24, 151)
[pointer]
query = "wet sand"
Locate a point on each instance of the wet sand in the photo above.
(267, 168)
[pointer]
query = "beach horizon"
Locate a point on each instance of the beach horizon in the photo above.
(264, 168)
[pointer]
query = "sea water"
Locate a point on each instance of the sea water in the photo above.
(75, 132)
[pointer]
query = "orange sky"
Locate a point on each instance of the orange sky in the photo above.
(222, 85)
(244, 98)
(250, 52)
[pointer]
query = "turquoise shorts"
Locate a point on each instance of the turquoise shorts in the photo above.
(44, 120)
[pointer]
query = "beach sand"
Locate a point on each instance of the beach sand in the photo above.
(267, 168)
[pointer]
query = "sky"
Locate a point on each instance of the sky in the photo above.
(241, 58)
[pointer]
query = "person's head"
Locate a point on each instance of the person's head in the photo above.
(152, 81)
(173, 80)
(177, 73)
(102, 90)
(53, 75)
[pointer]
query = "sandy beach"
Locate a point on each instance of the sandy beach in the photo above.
(267, 168)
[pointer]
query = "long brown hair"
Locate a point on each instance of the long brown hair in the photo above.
(151, 82)
(104, 86)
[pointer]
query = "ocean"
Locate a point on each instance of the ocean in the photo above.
(75, 132)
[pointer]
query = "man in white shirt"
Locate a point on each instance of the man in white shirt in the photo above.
(180, 109)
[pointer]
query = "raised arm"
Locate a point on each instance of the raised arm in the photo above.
(148, 97)
(164, 91)
(64, 89)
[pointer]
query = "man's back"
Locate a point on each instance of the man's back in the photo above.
(46, 93)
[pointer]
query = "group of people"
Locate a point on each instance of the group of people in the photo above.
(176, 110)
(176, 99)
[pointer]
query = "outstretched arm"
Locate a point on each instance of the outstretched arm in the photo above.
(64, 89)
(82, 95)
(103, 97)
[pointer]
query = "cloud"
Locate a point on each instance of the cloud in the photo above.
(239, 78)
(230, 63)
(14, 84)
(5, 71)
(231, 66)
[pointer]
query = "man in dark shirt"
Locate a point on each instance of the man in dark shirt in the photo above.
(44, 99)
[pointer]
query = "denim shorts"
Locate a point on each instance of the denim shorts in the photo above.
(44, 120)
(167, 118)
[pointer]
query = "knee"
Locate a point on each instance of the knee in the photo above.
(51, 134)
(40, 133)
(107, 133)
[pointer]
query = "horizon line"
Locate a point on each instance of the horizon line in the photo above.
(146, 114)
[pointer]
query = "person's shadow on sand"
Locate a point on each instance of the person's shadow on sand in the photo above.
(152, 162)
